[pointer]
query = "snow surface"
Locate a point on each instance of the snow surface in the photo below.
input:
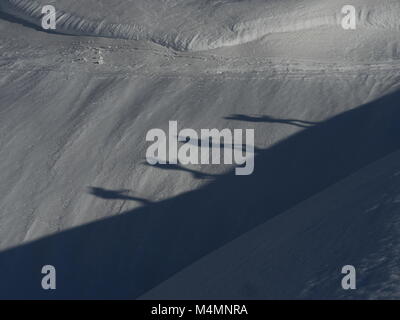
(76, 191)
(355, 221)
(201, 24)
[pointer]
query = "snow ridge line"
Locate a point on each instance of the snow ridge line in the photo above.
(72, 24)
(238, 33)
(67, 23)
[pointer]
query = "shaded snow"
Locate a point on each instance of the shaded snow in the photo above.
(75, 188)
(321, 235)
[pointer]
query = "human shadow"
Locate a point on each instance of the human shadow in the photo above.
(115, 195)
(221, 145)
(177, 167)
(266, 118)
(126, 255)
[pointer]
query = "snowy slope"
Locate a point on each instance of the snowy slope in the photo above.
(356, 223)
(75, 188)
(201, 25)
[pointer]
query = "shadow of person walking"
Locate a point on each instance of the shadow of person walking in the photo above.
(125, 255)
(115, 195)
(266, 118)
(178, 167)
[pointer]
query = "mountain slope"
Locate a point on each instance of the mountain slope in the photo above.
(201, 25)
(300, 254)
(77, 192)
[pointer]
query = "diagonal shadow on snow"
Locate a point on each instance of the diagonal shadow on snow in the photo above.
(269, 119)
(115, 195)
(126, 255)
